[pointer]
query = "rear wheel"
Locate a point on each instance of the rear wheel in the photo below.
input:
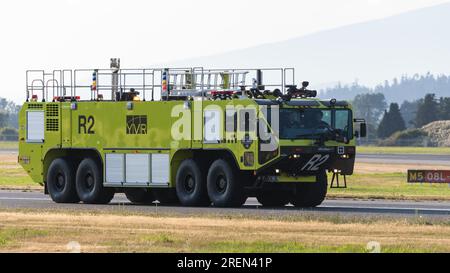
(224, 187)
(311, 194)
(139, 195)
(190, 185)
(273, 198)
(89, 184)
(61, 183)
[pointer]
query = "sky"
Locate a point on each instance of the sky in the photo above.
(67, 34)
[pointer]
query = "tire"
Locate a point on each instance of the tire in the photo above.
(166, 197)
(61, 182)
(89, 183)
(311, 194)
(139, 195)
(191, 185)
(224, 187)
(273, 198)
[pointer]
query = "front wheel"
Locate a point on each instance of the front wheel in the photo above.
(224, 187)
(311, 194)
(89, 184)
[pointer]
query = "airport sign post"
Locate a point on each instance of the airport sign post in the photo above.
(429, 176)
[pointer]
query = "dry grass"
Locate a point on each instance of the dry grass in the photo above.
(13, 176)
(50, 232)
(370, 168)
(12, 145)
(389, 181)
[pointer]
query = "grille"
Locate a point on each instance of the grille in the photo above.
(34, 106)
(52, 110)
(52, 124)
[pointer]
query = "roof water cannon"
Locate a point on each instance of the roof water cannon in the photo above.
(259, 80)
(294, 92)
(257, 85)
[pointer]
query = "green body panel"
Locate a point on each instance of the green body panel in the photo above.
(105, 131)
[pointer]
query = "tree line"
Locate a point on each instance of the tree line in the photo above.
(384, 121)
(9, 113)
(423, 98)
(409, 88)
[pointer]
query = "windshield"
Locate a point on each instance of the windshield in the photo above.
(312, 123)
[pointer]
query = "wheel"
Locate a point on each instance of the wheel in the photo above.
(273, 198)
(311, 194)
(60, 182)
(224, 187)
(190, 185)
(166, 196)
(89, 183)
(139, 195)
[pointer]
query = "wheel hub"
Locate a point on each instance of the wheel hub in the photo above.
(89, 181)
(60, 182)
(221, 184)
(189, 184)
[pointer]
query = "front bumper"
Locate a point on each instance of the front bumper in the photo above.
(300, 161)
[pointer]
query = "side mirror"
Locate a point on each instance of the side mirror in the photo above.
(362, 130)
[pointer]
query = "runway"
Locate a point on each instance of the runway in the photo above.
(37, 200)
(421, 159)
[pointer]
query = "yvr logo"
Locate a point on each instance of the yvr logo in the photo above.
(232, 123)
(136, 124)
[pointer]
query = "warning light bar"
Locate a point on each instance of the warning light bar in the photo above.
(94, 81)
(66, 98)
(164, 81)
(222, 93)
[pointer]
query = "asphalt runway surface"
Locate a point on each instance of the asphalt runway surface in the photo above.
(37, 200)
(404, 159)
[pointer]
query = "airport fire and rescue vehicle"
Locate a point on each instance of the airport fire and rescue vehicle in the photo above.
(189, 136)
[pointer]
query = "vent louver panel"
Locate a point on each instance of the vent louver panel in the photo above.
(35, 106)
(52, 110)
(52, 125)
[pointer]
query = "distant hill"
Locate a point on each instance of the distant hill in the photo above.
(371, 52)
(398, 90)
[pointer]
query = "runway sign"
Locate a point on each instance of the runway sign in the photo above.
(428, 176)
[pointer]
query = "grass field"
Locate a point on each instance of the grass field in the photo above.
(403, 150)
(12, 176)
(9, 145)
(389, 186)
(37, 231)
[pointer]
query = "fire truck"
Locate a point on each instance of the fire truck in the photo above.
(188, 136)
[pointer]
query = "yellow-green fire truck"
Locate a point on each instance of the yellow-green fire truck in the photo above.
(189, 136)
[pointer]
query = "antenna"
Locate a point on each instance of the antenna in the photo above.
(115, 67)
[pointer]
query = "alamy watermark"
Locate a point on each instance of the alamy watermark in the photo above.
(236, 123)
